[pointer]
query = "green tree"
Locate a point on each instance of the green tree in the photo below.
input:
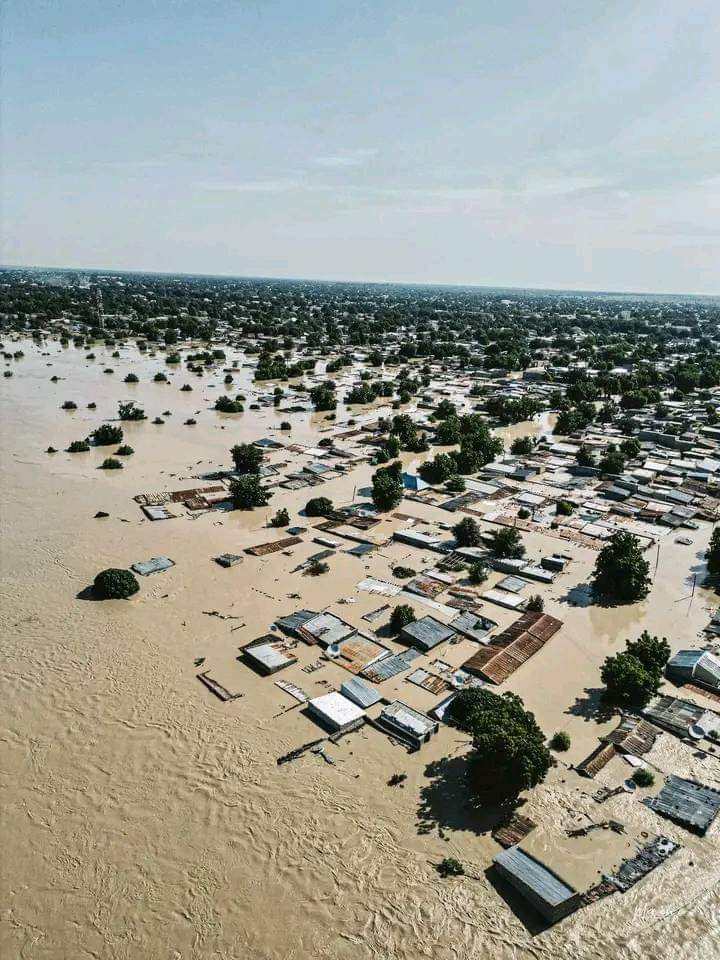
(438, 470)
(509, 750)
(401, 616)
(106, 434)
(115, 584)
(225, 405)
(622, 575)
(467, 532)
(247, 492)
(318, 507)
(522, 446)
(506, 542)
(633, 676)
(712, 555)
(247, 458)
(281, 518)
(585, 457)
(478, 572)
(387, 490)
(612, 462)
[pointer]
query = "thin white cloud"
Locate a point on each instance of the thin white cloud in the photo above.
(281, 185)
(350, 158)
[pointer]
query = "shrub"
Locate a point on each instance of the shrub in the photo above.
(478, 573)
(318, 507)
(524, 513)
(564, 508)
(51, 450)
(643, 777)
(106, 435)
(131, 378)
(115, 584)
(190, 422)
(402, 573)
(285, 425)
(78, 446)
(560, 741)
(522, 446)
(401, 616)
(450, 867)
(185, 388)
(456, 484)
(281, 518)
(226, 405)
(160, 378)
(69, 405)
(110, 463)
(124, 451)
(128, 411)
(316, 568)
(535, 604)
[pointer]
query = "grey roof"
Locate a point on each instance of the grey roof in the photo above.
(696, 665)
(532, 874)
(391, 666)
(687, 802)
(427, 632)
(673, 714)
(406, 718)
(155, 565)
(295, 620)
(514, 584)
(328, 628)
(361, 692)
(473, 625)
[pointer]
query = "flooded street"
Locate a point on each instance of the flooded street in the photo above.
(143, 819)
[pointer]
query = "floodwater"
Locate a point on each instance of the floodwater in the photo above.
(143, 818)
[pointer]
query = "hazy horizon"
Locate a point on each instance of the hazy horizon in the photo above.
(562, 147)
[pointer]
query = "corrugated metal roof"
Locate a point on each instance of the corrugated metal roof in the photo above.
(294, 620)
(391, 666)
(532, 874)
(687, 802)
(427, 632)
(361, 692)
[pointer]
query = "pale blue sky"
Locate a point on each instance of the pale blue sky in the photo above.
(497, 142)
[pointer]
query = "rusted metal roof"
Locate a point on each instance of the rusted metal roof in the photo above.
(510, 649)
(514, 830)
(633, 736)
(262, 549)
(599, 758)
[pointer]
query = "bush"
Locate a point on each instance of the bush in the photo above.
(535, 604)
(51, 450)
(78, 446)
(316, 568)
(128, 411)
(226, 405)
(115, 584)
(564, 508)
(124, 451)
(401, 616)
(160, 378)
(318, 507)
(560, 741)
(69, 405)
(281, 518)
(106, 435)
(131, 378)
(247, 492)
(450, 867)
(402, 573)
(478, 573)
(285, 425)
(524, 513)
(456, 484)
(185, 388)
(110, 463)
(522, 446)
(643, 777)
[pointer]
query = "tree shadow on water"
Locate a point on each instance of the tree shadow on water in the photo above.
(447, 801)
(592, 706)
(581, 595)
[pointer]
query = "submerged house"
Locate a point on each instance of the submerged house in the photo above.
(687, 802)
(695, 666)
(397, 717)
(426, 633)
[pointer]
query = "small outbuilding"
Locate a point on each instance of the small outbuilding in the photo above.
(335, 712)
(426, 633)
